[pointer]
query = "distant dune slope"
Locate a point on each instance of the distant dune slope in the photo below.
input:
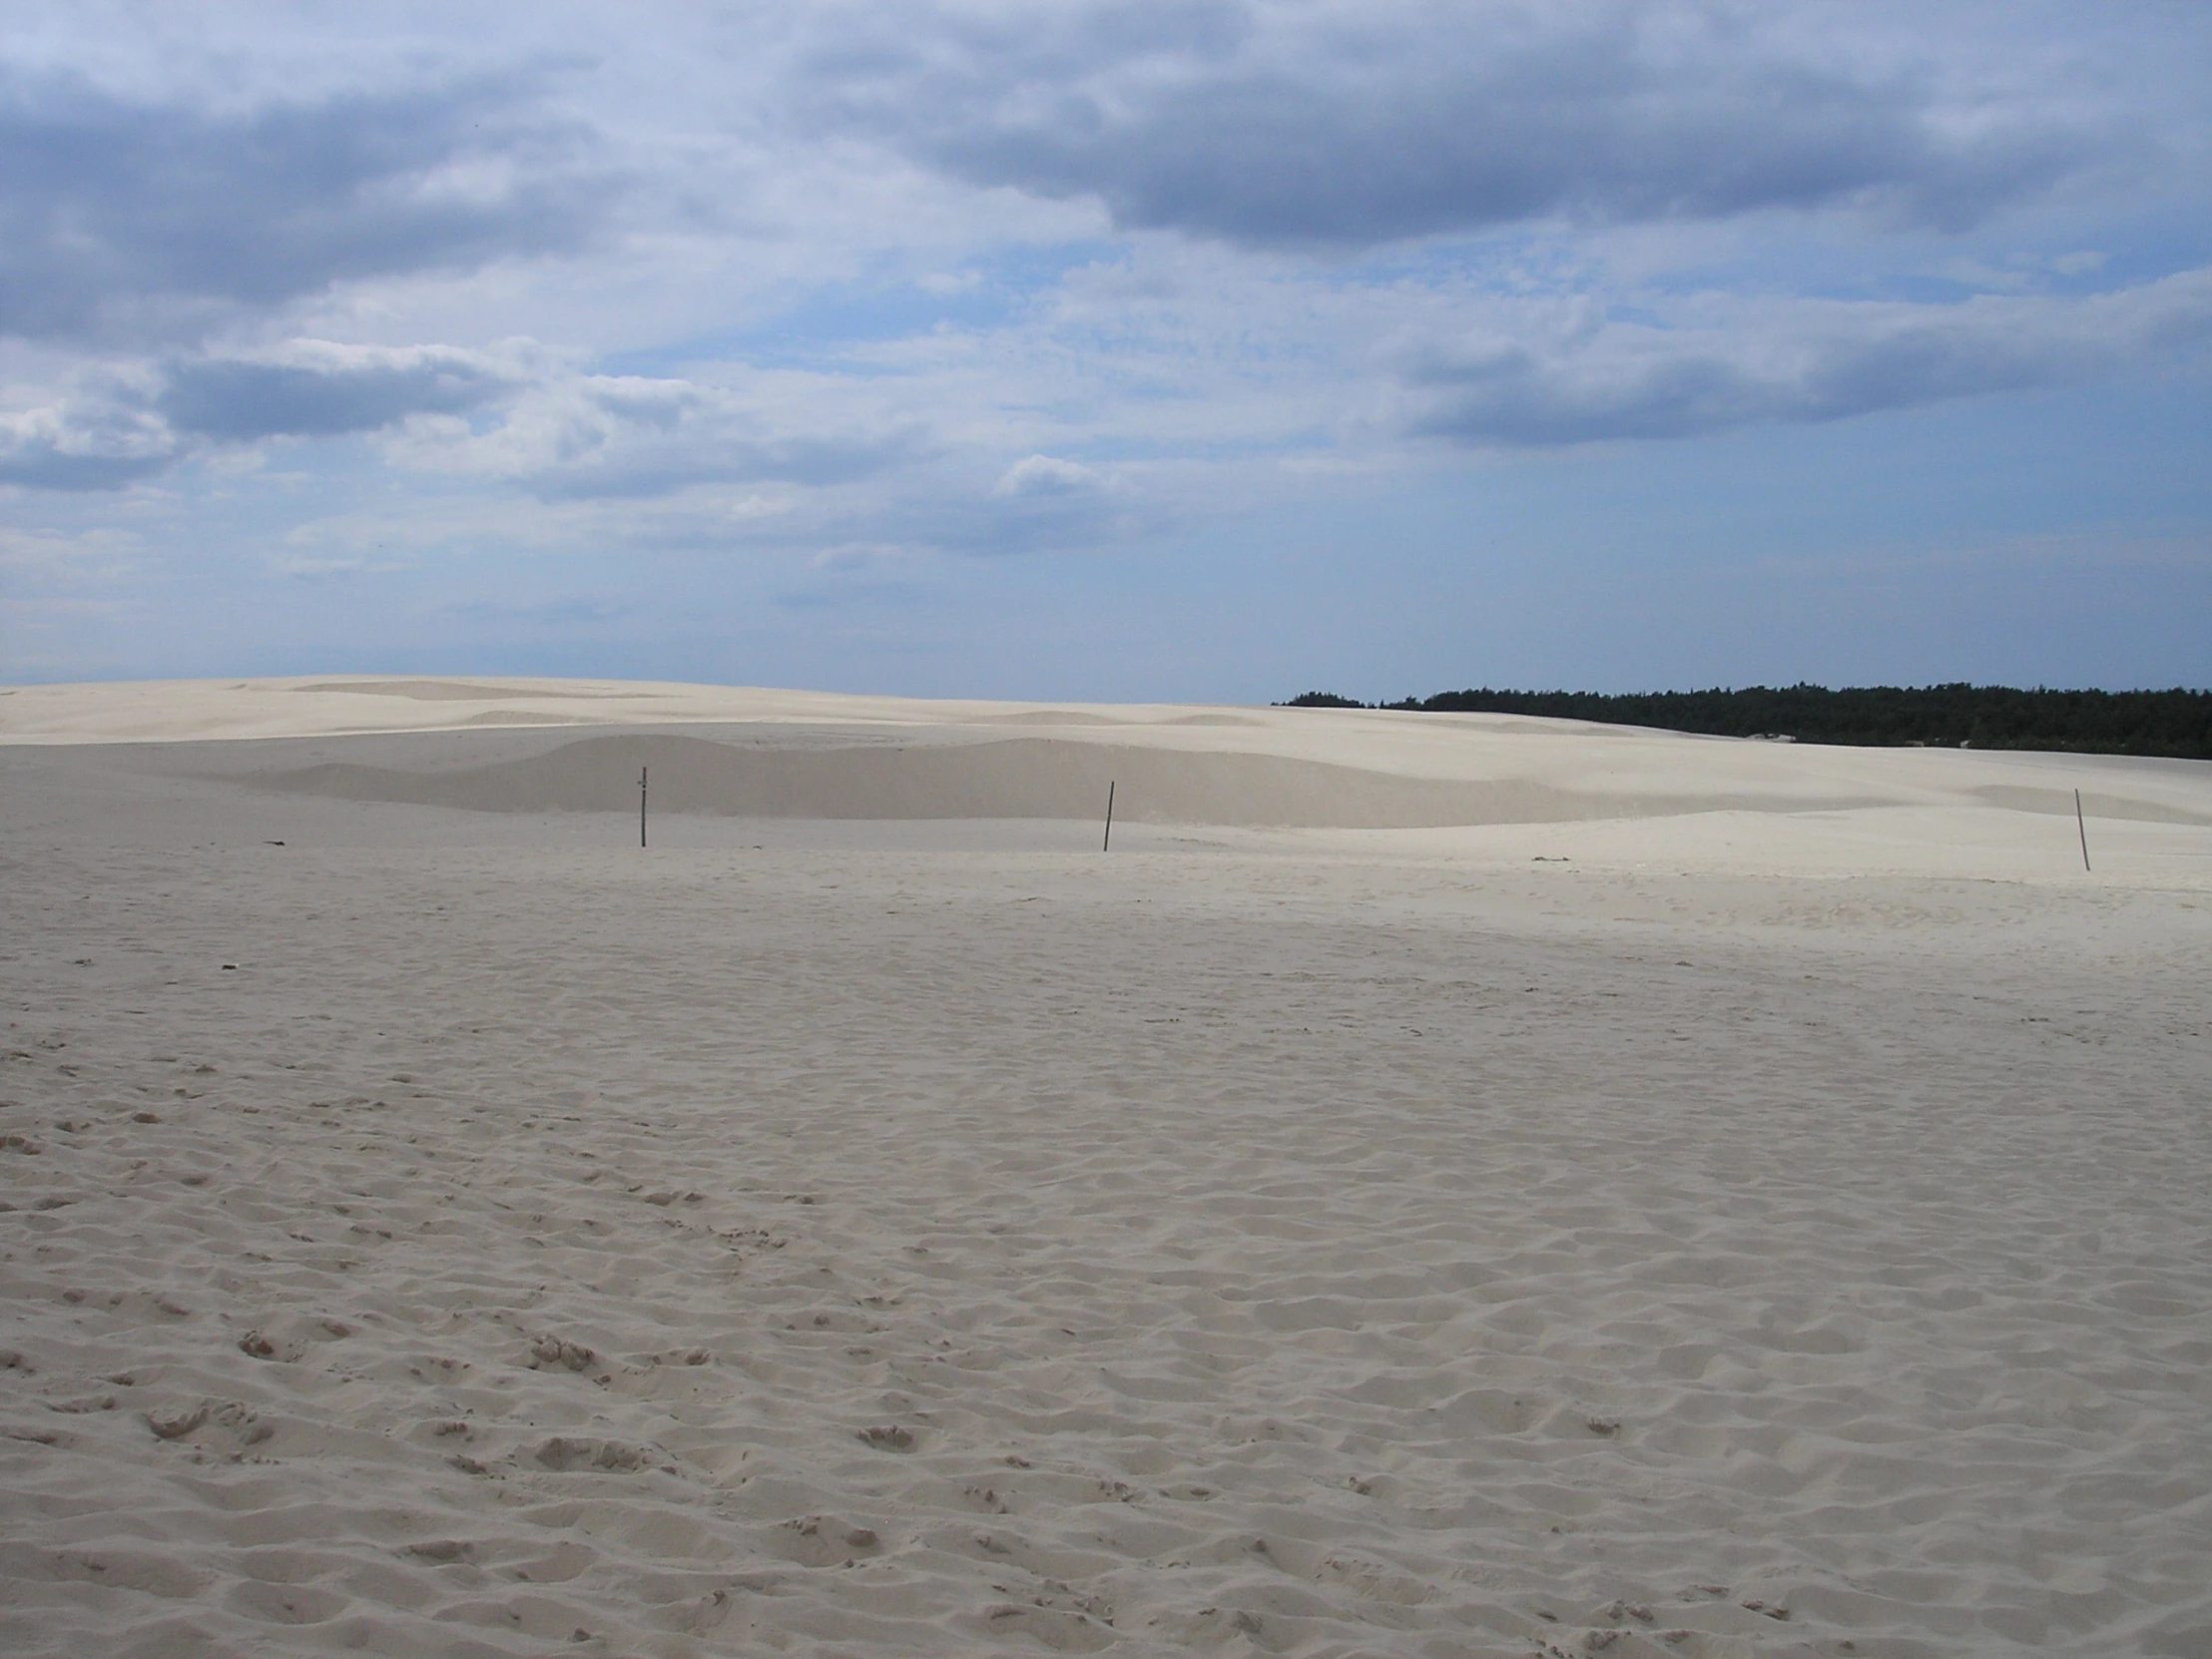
(575, 746)
(1013, 777)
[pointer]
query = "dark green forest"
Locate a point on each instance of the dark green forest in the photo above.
(2175, 723)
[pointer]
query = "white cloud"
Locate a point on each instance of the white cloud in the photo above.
(1046, 475)
(2080, 263)
(585, 436)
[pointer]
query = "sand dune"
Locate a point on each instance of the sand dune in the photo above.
(746, 752)
(1043, 778)
(1009, 778)
(1772, 1223)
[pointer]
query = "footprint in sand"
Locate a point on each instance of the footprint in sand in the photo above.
(566, 1456)
(824, 1541)
(551, 1352)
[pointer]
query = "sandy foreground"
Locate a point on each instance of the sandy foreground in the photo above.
(1439, 1186)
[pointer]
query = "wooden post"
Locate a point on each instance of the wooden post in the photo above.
(641, 805)
(1108, 842)
(2083, 829)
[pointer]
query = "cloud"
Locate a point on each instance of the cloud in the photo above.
(579, 611)
(595, 437)
(96, 435)
(133, 219)
(102, 553)
(1043, 504)
(1586, 377)
(43, 462)
(115, 426)
(315, 388)
(513, 414)
(1322, 123)
(1046, 475)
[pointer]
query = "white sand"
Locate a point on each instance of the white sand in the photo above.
(1316, 1227)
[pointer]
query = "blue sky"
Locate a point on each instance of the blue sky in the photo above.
(1191, 348)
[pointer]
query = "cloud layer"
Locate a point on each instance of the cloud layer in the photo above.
(129, 218)
(1335, 125)
(1589, 378)
(839, 293)
(319, 389)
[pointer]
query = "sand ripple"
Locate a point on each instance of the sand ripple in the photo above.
(743, 1252)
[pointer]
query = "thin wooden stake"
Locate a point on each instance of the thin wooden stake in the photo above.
(1108, 842)
(2083, 827)
(641, 805)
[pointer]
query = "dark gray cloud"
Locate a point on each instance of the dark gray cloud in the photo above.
(97, 437)
(1805, 363)
(241, 399)
(1312, 125)
(559, 435)
(42, 463)
(114, 428)
(129, 220)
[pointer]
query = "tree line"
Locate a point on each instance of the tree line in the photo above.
(2173, 723)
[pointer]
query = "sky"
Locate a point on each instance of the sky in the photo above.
(1114, 350)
